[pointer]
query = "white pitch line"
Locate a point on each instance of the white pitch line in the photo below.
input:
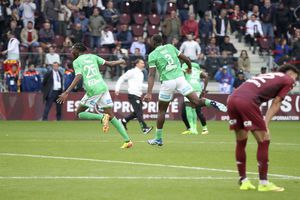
(120, 178)
(141, 164)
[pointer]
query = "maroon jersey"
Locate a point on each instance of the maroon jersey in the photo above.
(264, 87)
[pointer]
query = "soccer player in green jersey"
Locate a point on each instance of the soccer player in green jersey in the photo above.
(97, 96)
(165, 58)
(194, 80)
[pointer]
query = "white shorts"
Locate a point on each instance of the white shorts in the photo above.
(187, 100)
(101, 101)
(168, 88)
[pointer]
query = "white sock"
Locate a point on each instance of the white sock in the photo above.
(245, 179)
(263, 182)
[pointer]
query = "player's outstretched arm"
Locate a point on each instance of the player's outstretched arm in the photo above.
(115, 62)
(151, 78)
(186, 60)
(63, 97)
(273, 110)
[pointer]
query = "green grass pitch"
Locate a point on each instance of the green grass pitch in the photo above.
(75, 160)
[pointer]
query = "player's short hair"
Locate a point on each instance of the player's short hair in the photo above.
(287, 67)
(157, 39)
(137, 61)
(79, 46)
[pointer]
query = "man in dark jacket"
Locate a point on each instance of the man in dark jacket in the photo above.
(228, 46)
(52, 88)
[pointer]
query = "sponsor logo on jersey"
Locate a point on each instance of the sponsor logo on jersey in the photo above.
(247, 123)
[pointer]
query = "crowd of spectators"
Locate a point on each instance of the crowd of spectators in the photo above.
(35, 34)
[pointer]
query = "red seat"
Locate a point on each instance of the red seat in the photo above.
(137, 30)
(171, 6)
(139, 19)
(154, 19)
(59, 40)
(152, 30)
(125, 19)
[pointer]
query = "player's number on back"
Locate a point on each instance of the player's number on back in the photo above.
(91, 71)
(261, 79)
(170, 61)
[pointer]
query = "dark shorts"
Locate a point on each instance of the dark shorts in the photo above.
(244, 115)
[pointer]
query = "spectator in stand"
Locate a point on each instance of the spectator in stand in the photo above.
(76, 5)
(16, 4)
(132, 58)
(237, 20)
(201, 7)
(191, 49)
(268, 19)
(64, 16)
(161, 7)
(110, 14)
(227, 60)
(253, 30)
(124, 37)
(282, 18)
(39, 59)
(254, 11)
(16, 17)
(296, 45)
(12, 79)
(28, 8)
(13, 28)
(107, 38)
(205, 28)
(12, 51)
(69, 75)
(52, 88)
(81, 19)
(220, 26)
(46, 36)
(212, 63)
(282, 49)
(29, 36)
(31, 81)
(138, 44)
(239, 79)
(52, 57)
(244, 64)
(76, 34)
(190, 26)
(175, 42)
(212, 47)
(97, 3)
(119, 53)
(67, 43)
(171, 27)
(228, 46)
(51, 10)
(3, 17)
(225, 79)
(96, 25)
(183, 8)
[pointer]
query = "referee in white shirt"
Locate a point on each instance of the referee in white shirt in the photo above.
(135, 78)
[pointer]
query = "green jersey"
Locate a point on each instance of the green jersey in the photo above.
(194, 77)
(165, 59)
(88, 66)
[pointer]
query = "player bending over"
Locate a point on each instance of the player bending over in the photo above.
(97, 96)
(166, 59)
(245, 115)
(190, 113)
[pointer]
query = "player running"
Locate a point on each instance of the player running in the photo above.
(97, 96)
(243, 109)
(166, 59)
(190, 113)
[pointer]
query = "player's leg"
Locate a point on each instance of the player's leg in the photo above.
(186, 90)
(184, 119)
(162, 109)
(191, 116)
(263, 140)
(202, 120)
(85, 103)
(50, 99)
